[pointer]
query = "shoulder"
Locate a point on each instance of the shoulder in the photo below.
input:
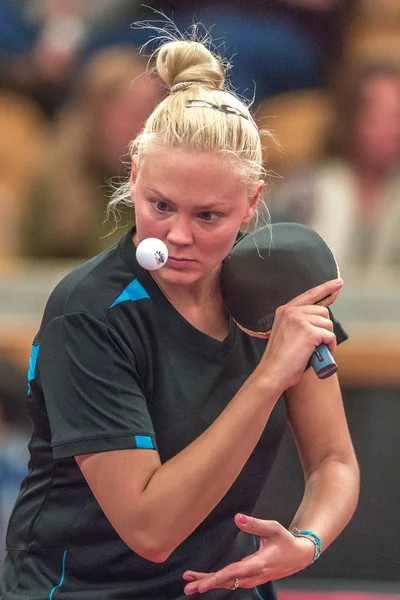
(88, 288)
(94, 288)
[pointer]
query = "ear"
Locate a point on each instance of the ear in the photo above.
(252, 203)
(133, 177)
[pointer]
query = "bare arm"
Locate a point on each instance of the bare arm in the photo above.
(318, 423)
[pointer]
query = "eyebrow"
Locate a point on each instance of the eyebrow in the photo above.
(203, 207)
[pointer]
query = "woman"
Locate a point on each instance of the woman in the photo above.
(352, 197)
(156, 421)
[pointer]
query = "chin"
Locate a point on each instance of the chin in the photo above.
(181, 277)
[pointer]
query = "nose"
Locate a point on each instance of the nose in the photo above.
(180, 232)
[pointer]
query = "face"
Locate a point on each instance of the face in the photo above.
(195, 203)
(377, 126)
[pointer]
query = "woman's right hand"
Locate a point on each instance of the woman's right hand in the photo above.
(299, 327)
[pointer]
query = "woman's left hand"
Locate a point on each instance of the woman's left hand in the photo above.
(280, 554)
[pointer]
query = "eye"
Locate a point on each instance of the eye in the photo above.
(208, 216)
(161, 206)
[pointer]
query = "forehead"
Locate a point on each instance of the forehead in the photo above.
(181, 172)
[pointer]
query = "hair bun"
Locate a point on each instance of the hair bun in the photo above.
(186, 61)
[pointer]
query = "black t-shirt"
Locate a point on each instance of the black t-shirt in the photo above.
(115, 366)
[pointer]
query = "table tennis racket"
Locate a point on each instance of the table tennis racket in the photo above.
(269, 267)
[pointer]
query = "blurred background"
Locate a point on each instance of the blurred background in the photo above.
(324, 77)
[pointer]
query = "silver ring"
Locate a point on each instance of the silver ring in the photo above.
(235, 585)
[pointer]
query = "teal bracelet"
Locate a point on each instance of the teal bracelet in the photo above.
(312, 537)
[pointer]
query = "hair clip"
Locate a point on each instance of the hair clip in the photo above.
(225, 108)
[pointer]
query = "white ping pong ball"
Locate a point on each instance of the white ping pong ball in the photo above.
(152, 254)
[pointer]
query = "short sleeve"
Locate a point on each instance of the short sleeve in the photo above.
(94, 396)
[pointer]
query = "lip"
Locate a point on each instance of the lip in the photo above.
(183, 259)
(179, 263)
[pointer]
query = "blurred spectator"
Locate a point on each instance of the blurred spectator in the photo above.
(14, 431)
(352, 198)
(42, 41)
(110, 104)
(278, 45)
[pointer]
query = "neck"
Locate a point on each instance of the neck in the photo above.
(195, 295)
(200, 304)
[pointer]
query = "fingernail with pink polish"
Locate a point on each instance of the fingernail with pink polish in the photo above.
(243, 519)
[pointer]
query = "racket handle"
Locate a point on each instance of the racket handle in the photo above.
(322, 362)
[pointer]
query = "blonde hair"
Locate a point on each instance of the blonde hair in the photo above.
(218, 122)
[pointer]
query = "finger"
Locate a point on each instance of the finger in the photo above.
(314, 309)
(317, 293)
(192, 586)
(244, 582)
(324, 325)
(323, 336)
(332, 345)
(197, 576)
(321, 322)
(226, 576)
(194, 575)
(260, 527)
